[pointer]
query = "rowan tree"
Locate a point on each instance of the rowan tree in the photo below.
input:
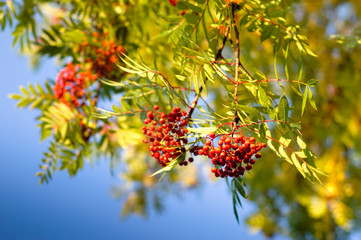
(166, 87)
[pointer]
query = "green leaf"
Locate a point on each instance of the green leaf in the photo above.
(311, 99)
(275, 64)
(266, 32)
(297, 164)
(284, 154)
(300, 68)
(254, 25)
(238, 184)
(283, 108)
(15, 96)
(183, 5)
(301, 143)
(116, 109)
(262, 97)
(234, 201)
(245, 20)
(304, 100)
(75, 36)
(191, 18)
(11, 7)
(296, 125)
(312, 82)
(286, 60)
(270, 145)
(252, 111)
(285, 141)
(32, 90)
(24, 91)
(171, 165)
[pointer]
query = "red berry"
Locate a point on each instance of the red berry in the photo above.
(212, 135)
(156, 107)
(218, 150)
(206, 148)
(150, 114)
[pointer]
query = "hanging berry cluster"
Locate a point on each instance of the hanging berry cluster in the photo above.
(102, 54)
(70, 85)
(233, 155)
(166, 134)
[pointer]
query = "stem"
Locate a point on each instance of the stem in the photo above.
(237, 53)
(223, 63)
(238, 61)
(218, 56)
(223, 74)
(275, 80)
(254, 123)
(219, 53)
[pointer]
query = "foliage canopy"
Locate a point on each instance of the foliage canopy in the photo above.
(234, 67)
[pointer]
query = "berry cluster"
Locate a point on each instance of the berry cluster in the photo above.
(173, 2)
(70, 84)
(166, 134)
(233, 154)
(102, 55)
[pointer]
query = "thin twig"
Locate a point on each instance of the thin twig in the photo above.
(218, 56)
(238, 62)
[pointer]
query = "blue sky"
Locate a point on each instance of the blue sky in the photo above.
(81, 207)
